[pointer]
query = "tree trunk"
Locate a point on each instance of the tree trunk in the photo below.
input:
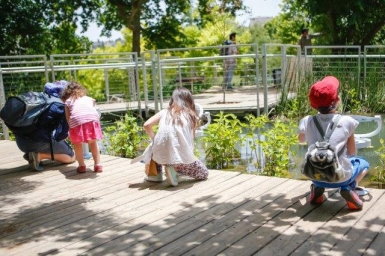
(136, 12)
(136, 31)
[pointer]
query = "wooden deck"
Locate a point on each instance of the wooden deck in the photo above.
(60, 212)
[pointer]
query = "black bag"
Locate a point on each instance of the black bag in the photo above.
(321, 160)
(21, 113)
(224, 50)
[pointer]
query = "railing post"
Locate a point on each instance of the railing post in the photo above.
(154, 80)
(264, 78)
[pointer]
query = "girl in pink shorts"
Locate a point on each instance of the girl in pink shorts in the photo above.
(83, 120)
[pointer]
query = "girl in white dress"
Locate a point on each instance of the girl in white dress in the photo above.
(173, 144)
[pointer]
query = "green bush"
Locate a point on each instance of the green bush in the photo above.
(221, 138)
(126, 138)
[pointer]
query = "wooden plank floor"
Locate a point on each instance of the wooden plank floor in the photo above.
(60, 212)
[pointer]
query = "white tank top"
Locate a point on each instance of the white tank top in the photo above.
(173, 144)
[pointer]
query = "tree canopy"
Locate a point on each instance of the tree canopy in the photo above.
(49, 26)
(160, 22)
(344, 22)
(44, 27)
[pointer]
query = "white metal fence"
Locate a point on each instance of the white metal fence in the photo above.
(148, 80)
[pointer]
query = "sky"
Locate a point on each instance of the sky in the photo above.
(262, 8)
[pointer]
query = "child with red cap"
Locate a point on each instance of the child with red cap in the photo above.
(324, 98)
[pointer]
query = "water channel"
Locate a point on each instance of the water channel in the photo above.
(245, 163)
(368, 153)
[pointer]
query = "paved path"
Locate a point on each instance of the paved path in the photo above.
(61, 212)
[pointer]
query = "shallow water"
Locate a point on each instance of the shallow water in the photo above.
(245, 163)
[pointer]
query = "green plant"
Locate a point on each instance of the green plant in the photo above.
(276, 142)
(379, 176)
(221, 139)
(125, 138)
(254, 126)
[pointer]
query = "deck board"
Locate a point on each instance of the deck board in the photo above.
(61, 212)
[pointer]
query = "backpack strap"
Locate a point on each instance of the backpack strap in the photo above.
(51, 146)
(319, 128)
(332, 127)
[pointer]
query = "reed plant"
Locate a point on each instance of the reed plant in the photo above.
(379, 176)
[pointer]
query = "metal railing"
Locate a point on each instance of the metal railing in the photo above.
(149, 79)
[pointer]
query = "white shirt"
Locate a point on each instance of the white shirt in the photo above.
(345, 128)
(173, 143)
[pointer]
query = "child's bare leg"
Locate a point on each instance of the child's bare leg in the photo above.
(361, 176)
(78, 147)
(94, 147)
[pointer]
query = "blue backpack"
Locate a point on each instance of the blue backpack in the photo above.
(21, 113)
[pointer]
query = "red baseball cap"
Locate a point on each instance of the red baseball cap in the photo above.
(324, 93)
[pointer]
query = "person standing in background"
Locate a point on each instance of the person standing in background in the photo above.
(305, 40)
(230, 63)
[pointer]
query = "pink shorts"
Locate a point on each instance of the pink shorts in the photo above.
(86, 132)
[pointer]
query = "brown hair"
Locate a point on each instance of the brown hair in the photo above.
(73, 90)
(182, 102)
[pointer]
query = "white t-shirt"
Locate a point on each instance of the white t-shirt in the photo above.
(173, 144)
(345, 128)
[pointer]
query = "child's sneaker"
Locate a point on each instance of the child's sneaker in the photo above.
(352, 199)
(81, 169)
(171, 175)
(316, 194)
(34, 163)
(98, 168)
(157, 178)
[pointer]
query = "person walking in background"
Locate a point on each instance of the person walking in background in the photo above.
(230, 48)
(173, 144)
(83, 119)
(324, 98)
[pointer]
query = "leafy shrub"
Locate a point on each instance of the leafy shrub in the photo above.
(126, 138)
(221, 138)
(275, 142)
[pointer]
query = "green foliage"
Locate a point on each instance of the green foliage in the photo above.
(125, 138)
(285, 29)
(379, 176)
(44, 27)
(221, 138)
(276, 143)
(276, 146)
(160, 22)
(344, 22)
